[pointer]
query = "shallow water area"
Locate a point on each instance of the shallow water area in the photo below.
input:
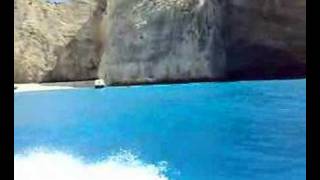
(199, 131)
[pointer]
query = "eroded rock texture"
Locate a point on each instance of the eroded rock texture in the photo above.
(54, 41)
(265, 38)
(142, 41)
(79, 59)
(163, 40)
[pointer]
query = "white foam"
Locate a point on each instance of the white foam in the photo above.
(50, 165)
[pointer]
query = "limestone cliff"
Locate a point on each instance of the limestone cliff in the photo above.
(163, 40)
(142, 41)
(265, 38)
(45, 34)
(79, 59)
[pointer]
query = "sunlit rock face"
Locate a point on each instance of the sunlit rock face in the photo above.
(79, 59)
(163, 40)
(56, 40)
(265, 38)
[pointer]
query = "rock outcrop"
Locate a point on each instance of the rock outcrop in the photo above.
(53, 41)
(265, 38)
(79, 59)
(163, 40)
(148, 41)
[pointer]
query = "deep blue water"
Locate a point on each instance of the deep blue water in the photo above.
(205, 131)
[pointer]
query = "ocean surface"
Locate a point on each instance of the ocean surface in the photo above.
(247, 130)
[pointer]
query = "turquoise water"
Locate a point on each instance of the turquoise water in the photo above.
(253, 130)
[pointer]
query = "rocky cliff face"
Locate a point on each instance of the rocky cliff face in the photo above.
(55, 41)
(79, 59)
(141, 41)
(163, 40)
(265, 38)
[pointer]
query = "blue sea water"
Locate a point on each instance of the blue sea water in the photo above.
(247, 130)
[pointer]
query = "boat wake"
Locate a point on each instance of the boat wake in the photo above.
(53, 165)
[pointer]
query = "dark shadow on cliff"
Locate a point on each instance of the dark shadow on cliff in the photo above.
(259, 62)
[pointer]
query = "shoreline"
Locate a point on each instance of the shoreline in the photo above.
(30, 87)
